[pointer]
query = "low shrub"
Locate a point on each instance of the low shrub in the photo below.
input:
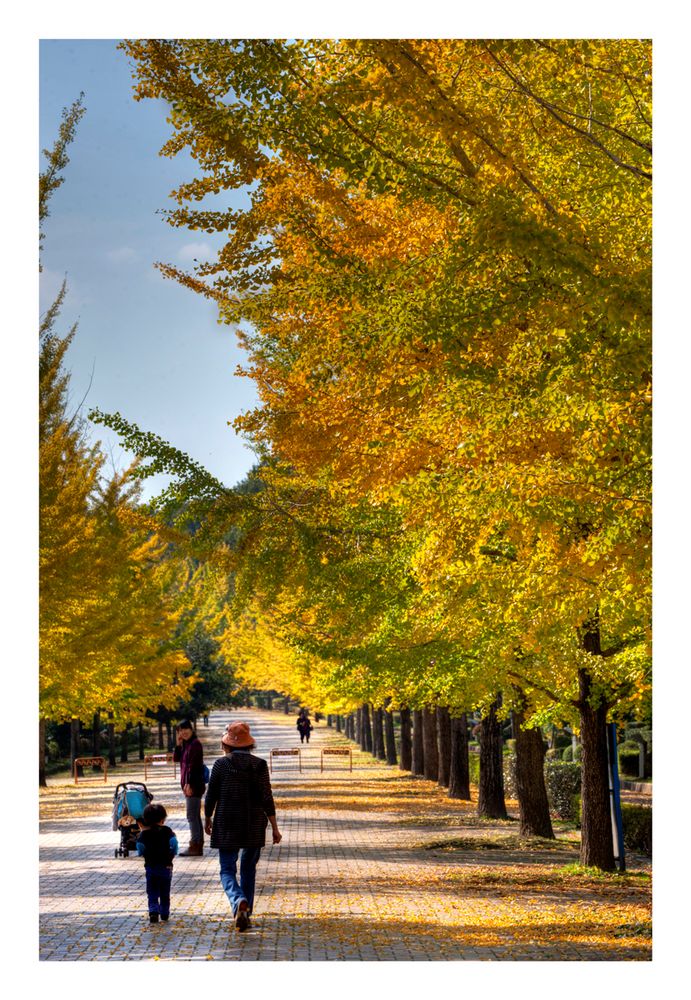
(563, 782)
(638, 827)
(567, 753)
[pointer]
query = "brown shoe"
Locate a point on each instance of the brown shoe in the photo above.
(194, 850)
(242, 917)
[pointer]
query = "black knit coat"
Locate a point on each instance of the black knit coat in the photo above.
(239, 801)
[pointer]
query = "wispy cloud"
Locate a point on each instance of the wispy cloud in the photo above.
(195, 251)
(122, 255)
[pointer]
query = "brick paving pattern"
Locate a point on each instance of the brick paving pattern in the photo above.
(345, 884)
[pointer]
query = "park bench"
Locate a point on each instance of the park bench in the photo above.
(276, 752)
(85, 762)
(337, 752)
(159, 760)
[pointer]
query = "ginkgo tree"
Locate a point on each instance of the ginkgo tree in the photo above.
(443, 283)
(109, 583)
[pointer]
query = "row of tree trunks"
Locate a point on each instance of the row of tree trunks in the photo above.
(435, 745)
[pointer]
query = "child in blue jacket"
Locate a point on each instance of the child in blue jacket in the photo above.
(158, 845)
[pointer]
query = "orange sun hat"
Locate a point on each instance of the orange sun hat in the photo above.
(238, 735)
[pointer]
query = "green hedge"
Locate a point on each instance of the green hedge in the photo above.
(638, 827)
(563, 782)
(474, 768)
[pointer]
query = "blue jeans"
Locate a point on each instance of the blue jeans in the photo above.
(158, 879)
(244, 889)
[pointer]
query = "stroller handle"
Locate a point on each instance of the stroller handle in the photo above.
(132, 784)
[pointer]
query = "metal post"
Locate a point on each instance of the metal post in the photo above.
(615, 798)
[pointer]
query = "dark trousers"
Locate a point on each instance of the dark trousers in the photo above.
(193, 806)
(158, 879)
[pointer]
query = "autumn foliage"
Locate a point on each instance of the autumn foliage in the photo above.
(442, 280)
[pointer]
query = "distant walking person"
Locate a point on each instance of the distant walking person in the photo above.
(304, 726)
(237, 809)
(158, 845)
(190, 753)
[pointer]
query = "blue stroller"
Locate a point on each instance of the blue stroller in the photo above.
(129, 802)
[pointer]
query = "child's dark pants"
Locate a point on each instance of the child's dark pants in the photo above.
(158, 879)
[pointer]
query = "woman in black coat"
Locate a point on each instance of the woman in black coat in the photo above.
(237, 809)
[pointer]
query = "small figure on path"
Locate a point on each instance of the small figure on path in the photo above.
(158, 845)
(190, 753)
(237, 806)
(304, 726)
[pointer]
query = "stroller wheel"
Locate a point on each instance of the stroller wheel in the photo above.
(126, 853)
(115, 853)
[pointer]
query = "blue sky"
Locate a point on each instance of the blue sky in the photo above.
(156, 351)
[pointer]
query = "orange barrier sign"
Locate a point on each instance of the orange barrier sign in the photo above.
(294, 752)
(160, 760)
(337, 752)
(85, 762)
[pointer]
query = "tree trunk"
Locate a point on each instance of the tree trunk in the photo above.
(376, 732)
(406, 761)
(42, 783)
(338, 724)
(389, 738)
(597, 849)
(530, 780)
(490, 800)
(418, 755)
(459, 768)
(429, 739)
(96, 738)
(142, 744)
(125, 743)
(378, 725)
(366, 729)
(161, 745)
(286, 706)
(169, 735)
(359, 729)
(112, 762)
(74, 743)
(270, 702)
(443, 746)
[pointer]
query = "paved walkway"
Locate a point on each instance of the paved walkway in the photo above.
(374, 865)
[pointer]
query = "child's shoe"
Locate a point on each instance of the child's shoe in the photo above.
(153, 918)
(164, 918)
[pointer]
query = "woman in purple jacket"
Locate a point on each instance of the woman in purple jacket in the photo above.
(190, 753)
